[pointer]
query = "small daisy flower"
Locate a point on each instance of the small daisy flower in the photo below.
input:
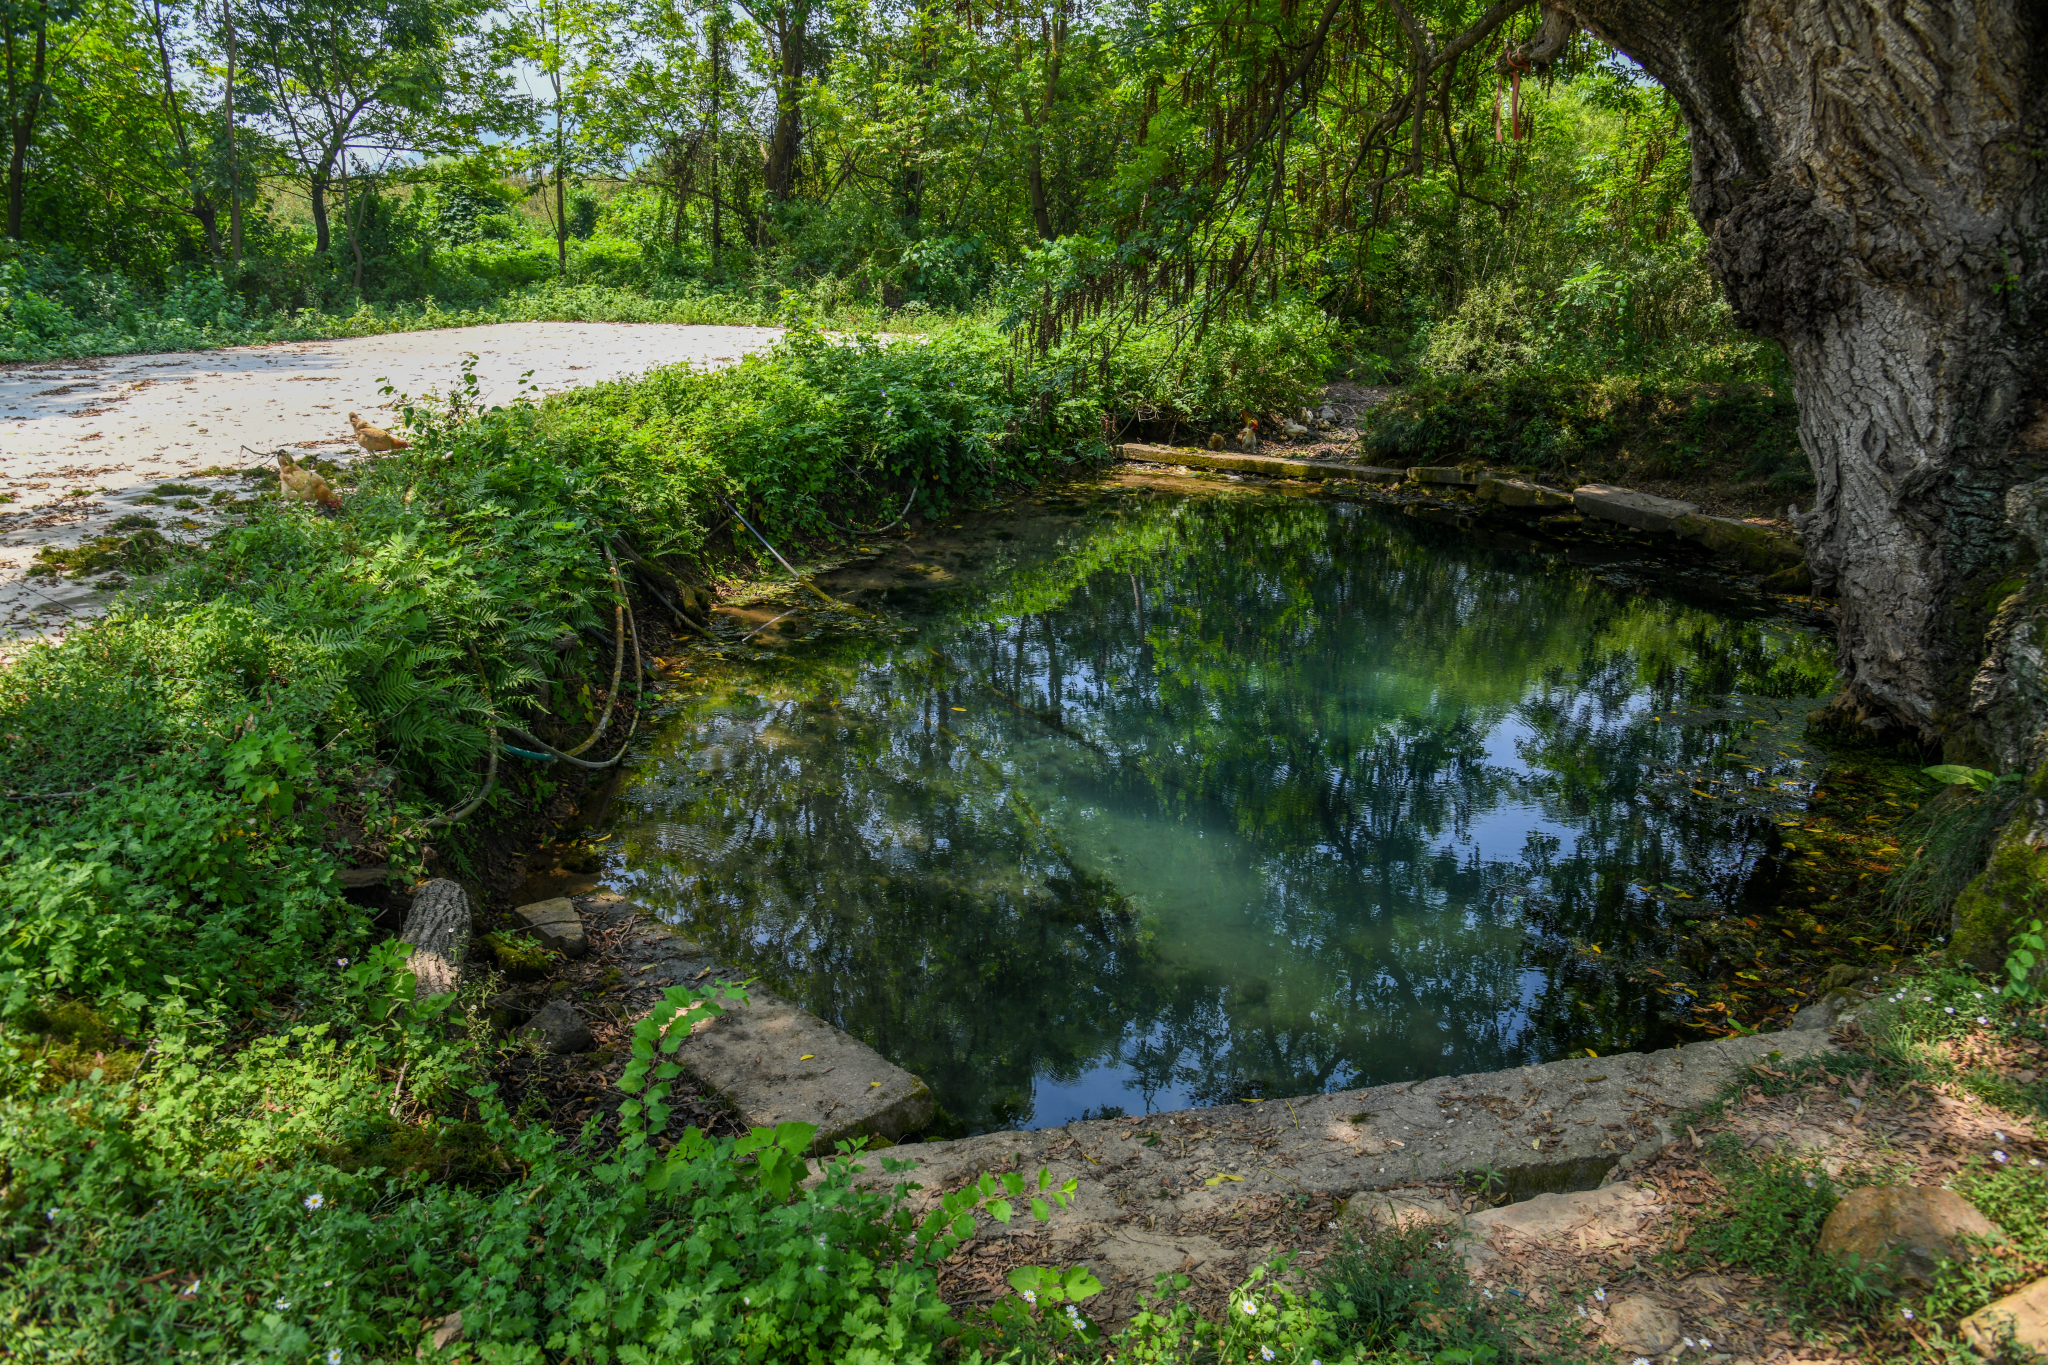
(341, 962)
(1600, 1294)
(315, 1201)
(334, 1356)
(1251, 1309)
(282, 1304)
(189, 1290)
(1031, 1297)
(1265, 1352)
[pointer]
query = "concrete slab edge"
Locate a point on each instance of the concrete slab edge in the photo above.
(772, 1060)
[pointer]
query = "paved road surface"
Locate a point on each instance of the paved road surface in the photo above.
(79, 440)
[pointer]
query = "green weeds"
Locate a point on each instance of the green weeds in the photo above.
(1776, 1211)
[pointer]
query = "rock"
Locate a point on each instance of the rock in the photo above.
(1824, 1012)
(2007, 895)
(1760, 548)
(447, 1332)
(559, 1029)
(557, 925)
(2021, 1319)
(1643, 511)
(1444, 474)
(1640, 1324)
(1910, 1229)
(438, 930)
(775, 1063)
(1601, 1216)
(1396, 1209)
(1796, 581)
(1521, 493)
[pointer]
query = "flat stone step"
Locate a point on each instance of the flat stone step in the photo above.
(1644, 511)
(1561, 1127)
(1272, 466)
(772, 1061)
(1521, 493)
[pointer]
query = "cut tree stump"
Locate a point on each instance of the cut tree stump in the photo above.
(438, 930)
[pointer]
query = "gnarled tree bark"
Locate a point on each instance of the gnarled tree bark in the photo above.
(1871, 178)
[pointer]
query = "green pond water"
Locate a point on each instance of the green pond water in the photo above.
(1154, 800)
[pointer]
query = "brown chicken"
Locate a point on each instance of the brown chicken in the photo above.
(295, 484)
(376, 438)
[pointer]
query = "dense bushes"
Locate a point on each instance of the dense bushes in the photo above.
(1622, 427)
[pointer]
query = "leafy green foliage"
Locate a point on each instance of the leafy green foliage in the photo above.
(1777, 1207)
(1569, 425)
(1405, 1289)
(2022, 964)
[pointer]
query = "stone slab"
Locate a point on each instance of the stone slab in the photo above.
(1558, 1127)
(1272, 466)
(1444, 474)
(1761, 548)
(1598, 1217)
(1643, 511)
(557, 925)
(771, 1060)
(2023, 1315)
(1522, 493)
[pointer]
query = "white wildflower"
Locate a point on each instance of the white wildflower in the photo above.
(315, 1201)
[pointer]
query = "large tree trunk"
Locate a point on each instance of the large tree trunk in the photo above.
(27, 107)
(321, 236)
(1871, 180)
(779, 175)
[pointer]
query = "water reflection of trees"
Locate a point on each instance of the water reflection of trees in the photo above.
(1302, 719)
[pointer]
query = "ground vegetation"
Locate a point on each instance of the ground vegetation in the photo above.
(232, 1129)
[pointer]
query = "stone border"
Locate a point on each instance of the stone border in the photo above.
(1761, 548)
(1157, 1191)
(771, 1061)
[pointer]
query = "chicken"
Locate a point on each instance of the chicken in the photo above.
(376, 438)
(303, 485)
(1216, 441)
(1248, 438)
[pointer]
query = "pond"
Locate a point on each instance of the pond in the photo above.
(1150, 799)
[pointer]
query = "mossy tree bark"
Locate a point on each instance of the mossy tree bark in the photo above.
(1872, 180)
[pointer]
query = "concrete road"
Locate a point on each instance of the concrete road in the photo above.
(80, 440)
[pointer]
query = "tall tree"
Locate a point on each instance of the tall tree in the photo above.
(25, 29)
(784, 27)
(388, 75)
(1874, 185)
(565, 41)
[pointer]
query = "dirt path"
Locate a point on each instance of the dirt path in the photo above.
(80, 441)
